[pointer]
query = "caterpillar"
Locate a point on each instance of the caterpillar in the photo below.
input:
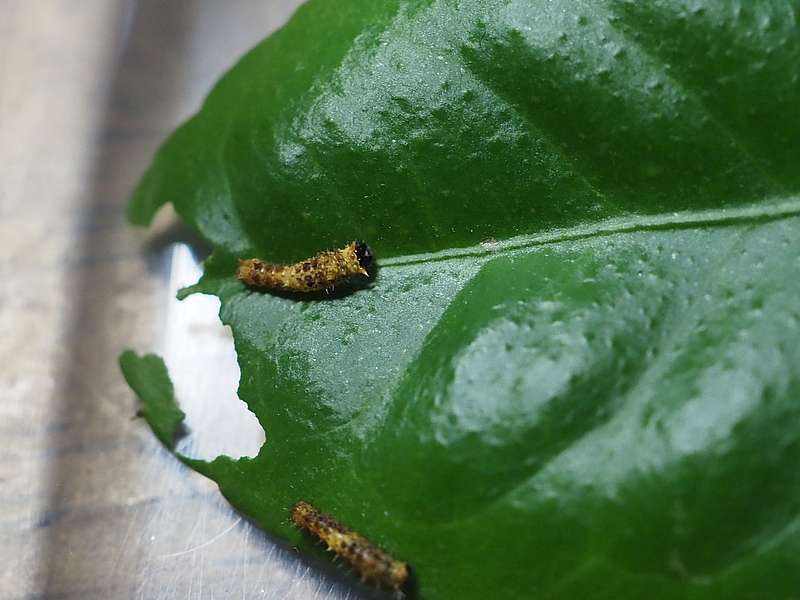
(324, 271)
(372, 563)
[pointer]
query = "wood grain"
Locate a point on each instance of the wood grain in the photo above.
(91, 506)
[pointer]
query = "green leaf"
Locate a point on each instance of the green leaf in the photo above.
(576, 373)
(148, 377)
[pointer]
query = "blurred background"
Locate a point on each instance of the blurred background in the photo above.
(91, 506)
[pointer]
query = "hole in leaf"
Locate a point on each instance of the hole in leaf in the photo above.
(199, 353)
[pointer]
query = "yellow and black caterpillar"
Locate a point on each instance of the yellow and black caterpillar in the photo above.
(324, 271)
(372, 563)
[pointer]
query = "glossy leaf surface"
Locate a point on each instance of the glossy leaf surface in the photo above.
(576, 373)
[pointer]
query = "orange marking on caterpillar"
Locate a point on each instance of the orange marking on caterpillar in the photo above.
(372, 563)
(324, 271)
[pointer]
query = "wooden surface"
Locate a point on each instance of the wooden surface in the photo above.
(91, 507)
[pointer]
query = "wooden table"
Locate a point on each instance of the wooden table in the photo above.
(91, 506)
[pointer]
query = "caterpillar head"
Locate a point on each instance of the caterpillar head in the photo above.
(366, 259)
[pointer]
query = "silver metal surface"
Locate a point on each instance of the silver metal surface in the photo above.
(91, 506)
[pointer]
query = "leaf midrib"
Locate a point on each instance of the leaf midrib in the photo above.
(776, 209)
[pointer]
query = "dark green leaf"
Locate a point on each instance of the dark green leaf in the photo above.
(147, 375)
(602, 404)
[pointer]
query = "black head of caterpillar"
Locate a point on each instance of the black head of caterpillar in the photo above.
(372, 563)
(325, 271)
(364, 254)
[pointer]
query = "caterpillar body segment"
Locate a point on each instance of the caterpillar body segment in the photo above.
(371, 562)
(324, 271)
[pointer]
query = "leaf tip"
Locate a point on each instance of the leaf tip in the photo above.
(148, 377)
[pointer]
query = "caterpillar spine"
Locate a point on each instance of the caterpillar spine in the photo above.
(324, 271)
(371, 562)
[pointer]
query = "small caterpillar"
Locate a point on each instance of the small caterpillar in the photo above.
(371, 562)
(321, 272)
